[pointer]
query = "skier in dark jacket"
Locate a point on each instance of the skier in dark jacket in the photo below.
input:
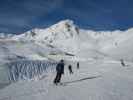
(77, 65)
(60, 71)
(70, 69)
(122, 62)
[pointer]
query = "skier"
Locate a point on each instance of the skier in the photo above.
(60, 71)
(70, 69)
(122, 62)
(77, 65)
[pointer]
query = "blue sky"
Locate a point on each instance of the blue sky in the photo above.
(18, 16)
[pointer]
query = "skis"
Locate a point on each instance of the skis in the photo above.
(76, 81)
(60, 84)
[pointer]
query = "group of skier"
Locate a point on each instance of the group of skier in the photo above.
(60, 71)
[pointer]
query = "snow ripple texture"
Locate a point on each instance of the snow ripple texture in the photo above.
(25, 70)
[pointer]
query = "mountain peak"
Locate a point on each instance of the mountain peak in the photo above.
(64, 24)
(67, 21)
(64, 29)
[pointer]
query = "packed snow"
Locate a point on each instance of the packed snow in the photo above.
(95, 80)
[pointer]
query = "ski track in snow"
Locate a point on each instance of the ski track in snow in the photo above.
(115, 83)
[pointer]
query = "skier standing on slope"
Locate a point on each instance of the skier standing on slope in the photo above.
(77, 65)
(70, 69)
(59, 72)
(122, 62)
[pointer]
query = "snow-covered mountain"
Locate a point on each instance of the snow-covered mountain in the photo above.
(64, 29)
(60, 35)
(68, 37)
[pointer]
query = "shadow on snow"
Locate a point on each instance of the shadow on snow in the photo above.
(82, 79)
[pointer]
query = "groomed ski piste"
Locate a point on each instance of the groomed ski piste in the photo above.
(94, 80)
(28, 62)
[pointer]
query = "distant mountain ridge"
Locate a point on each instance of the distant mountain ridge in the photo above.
(68, 37)
(4, 36)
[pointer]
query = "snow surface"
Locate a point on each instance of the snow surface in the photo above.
(95, 80)
(100, 77)
(29, 69)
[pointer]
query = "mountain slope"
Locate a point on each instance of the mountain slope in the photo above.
(123, 47)
(60, 35)
(67, 37)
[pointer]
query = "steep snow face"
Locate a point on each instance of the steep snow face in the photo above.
(60, 35)
(62, 30)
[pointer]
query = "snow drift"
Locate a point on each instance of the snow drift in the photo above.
(27, 70)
